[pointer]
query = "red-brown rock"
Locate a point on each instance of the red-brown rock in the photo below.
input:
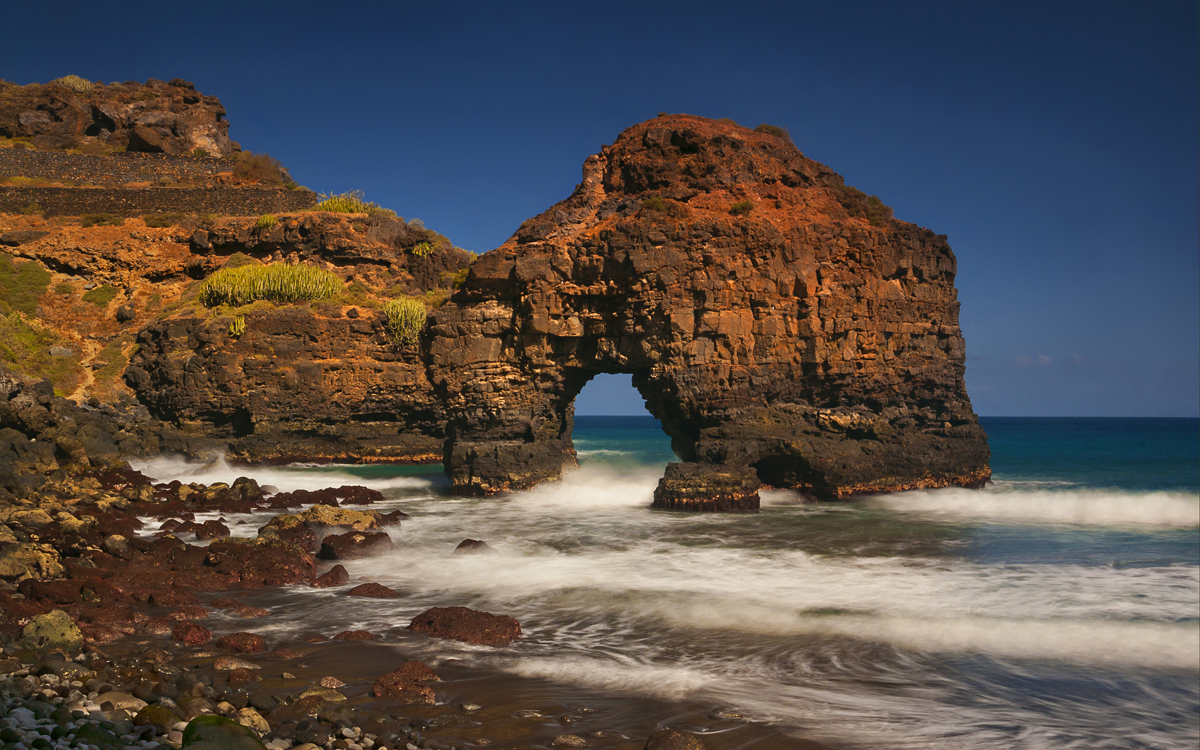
(191, 634)
(355, 544)
(374, 590)
(467, 625)
(354, 635)
(335, 576)
(407, 684)
(243, 643)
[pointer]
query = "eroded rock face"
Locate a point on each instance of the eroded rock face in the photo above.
(768, 323)
(164, 117)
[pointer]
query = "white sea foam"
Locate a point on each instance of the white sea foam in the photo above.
(620, 675)
(286, 478)
(1074, 506)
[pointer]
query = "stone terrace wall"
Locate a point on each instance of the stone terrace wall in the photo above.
(86, 169)
(138, 201)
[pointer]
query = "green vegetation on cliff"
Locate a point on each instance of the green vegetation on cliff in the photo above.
(405, 319)
(21, 285)
(277, 282)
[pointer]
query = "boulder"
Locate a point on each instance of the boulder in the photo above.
(159, 717)
(354, 545)
(243, 643)
(210, 732)
(21, 237)
(374, 590)
(335, 576)
(467, 625)
(707, 487)
(53, 631)
(471, 547)
(191, 634)
(30, 560)
(407, 684)
(673, 739)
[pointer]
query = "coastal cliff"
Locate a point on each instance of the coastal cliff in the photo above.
(784, 328)
(781, 326)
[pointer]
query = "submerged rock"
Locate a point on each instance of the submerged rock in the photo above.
(673, 739)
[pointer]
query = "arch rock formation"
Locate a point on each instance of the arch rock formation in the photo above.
(783, 328)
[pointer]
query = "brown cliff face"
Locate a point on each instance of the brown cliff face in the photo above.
(165, 117)
(776, 332)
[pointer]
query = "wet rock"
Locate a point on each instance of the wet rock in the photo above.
(218, 733)
(327, 695)
(569, 740)
(336, 576)
(354, 545)
(252, 719)
(407, 684)
(354, 635)
(467, 625)
(54, 630)
(244, 643)
(707, 487)
(230, 663)
(374, 590)
(673, 739)
(191, 634)
(159, 717)
(282, 654)
(472, 546)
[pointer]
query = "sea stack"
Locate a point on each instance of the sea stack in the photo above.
(783, 327)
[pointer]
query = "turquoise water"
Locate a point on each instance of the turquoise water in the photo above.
(1057, 608)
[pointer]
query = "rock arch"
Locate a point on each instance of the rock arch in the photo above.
(781, 327)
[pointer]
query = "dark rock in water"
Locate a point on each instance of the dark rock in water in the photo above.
(472, 546)
(191, 634)
(243, 643)
(336, 576)
(707, 487)
(354, 635)
(20, 237)
(407, 684)
(467, 625)
(212, 530)
(355, 544)
(374, 590)
(673, 739)
(159, 717)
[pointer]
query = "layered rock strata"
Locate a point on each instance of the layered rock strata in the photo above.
(779, 324)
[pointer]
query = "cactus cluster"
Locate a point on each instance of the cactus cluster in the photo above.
(75, 83)
(405, 319)
(277, 282)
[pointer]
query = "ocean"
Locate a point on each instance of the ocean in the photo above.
(1057, 608)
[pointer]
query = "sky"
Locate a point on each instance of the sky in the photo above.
(1056, 143)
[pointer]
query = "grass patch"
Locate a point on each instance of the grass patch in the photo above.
(114, 359)
(774, 130)
(741, 208)
(62, 289)
(101, 295)
(656, 204)
(100, 220)
(265, 221)
(421, 249)
(277, 282)
(729, 121)
(162, 220)
(405, 319)
(25, 347)
(21, 285)
(238, 326)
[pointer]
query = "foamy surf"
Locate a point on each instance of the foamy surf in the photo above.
(288, 478)
(1089, 507)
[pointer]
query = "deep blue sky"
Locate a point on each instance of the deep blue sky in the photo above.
(1056, 143)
